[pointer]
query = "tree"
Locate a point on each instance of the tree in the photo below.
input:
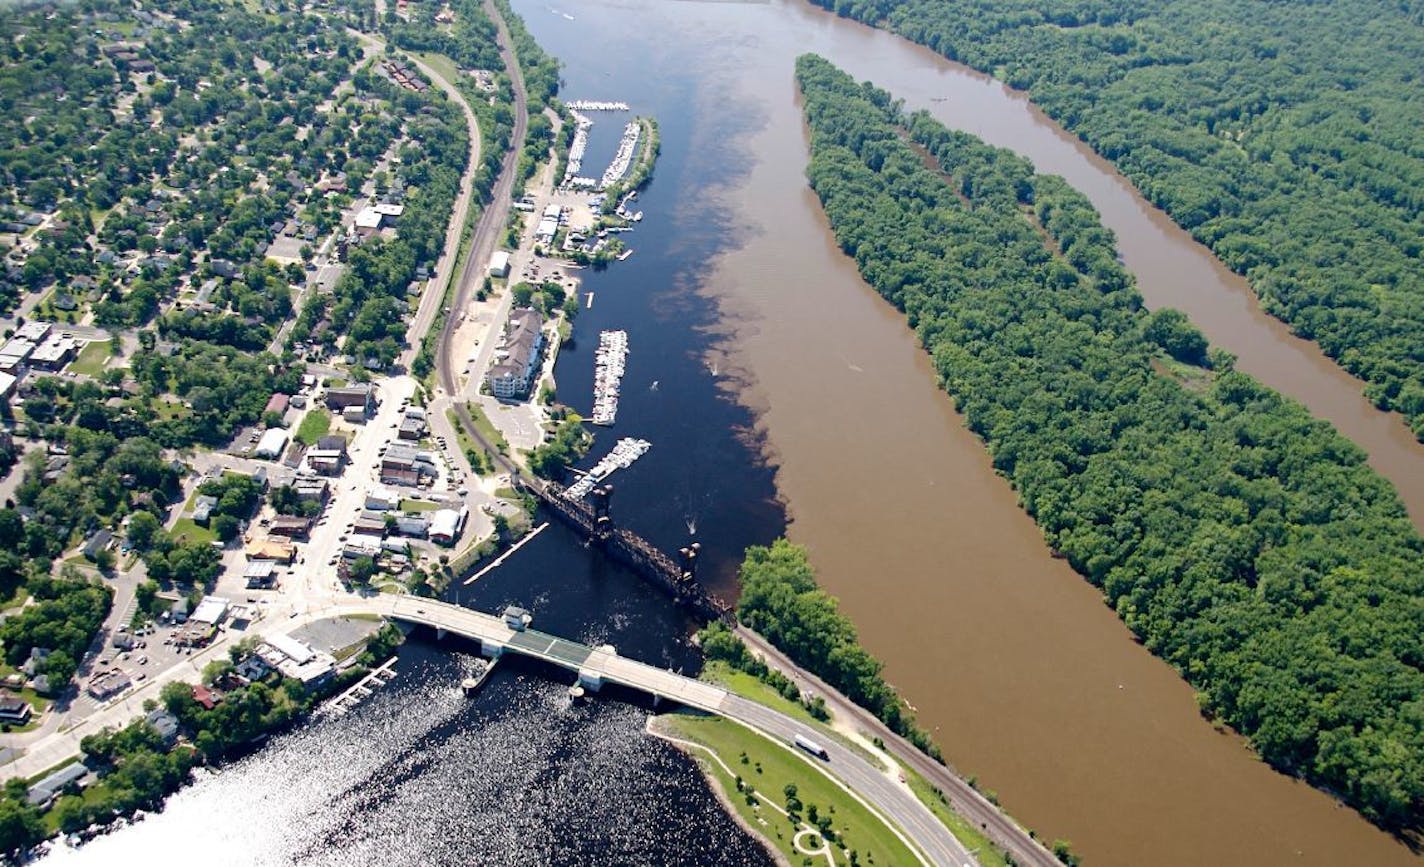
(60, 668)
(1175, 333)
(20, 825)
(362, 570)
(226, 527)
(143, 529)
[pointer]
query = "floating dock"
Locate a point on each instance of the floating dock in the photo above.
(627, 147)
(608, 375)
(597, 105)
(577, 147)
(622, 457)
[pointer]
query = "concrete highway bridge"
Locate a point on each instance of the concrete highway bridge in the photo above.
(596, 666)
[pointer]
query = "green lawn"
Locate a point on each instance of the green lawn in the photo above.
(769, 768)
(418, 506)
(442, 65)
(315, 425)
(747, 686)
(467, 442)
(167, 410)
(985, 851)
(92, 358)
(189, 528)
(487, 428)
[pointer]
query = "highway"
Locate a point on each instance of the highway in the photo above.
(966, 800)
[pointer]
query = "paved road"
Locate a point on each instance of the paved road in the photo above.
(893, 801)
(888, 797)
(965, 800)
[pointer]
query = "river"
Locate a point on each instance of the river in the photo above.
(773, 383)
(1026, 678)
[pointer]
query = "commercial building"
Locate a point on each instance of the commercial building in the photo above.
(363, 396)
(517, 359)
(54, 353)
(328, 462)
(414, 526)
(296, 659)
(272, 549)
(19, 348)
(499, 264)
(411, 429)
(446, 525)
(291, 526)
(273, 440)
(311, 489)
(260, 574)
(362, 545)
(210, 610)
(405, 465)
(34, 331)
(108, 684)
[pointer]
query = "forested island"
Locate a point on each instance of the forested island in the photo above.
(1282, 136)
(1241, 540)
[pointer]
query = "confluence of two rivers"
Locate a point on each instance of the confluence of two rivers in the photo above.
(1025, 677)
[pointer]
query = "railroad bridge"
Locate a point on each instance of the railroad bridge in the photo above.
(595, 522)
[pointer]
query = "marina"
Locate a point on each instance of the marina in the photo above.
(597, 105)
(608, 369)
(577, 148)
(625, 452)
(627, 147)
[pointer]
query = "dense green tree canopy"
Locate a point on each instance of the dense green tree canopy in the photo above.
(1282, 135)
(1244, 542)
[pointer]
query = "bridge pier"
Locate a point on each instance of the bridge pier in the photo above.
(590, 680)
(491, 649)
(439, 633)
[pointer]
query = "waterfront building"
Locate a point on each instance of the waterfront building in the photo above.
(512, 374)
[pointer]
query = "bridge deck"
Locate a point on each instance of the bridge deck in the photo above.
(572, 655)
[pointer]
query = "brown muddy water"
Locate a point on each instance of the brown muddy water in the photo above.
(1025, 677)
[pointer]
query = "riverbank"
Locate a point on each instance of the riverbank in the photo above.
(1175, 469)
(133, 770)
(777, 794)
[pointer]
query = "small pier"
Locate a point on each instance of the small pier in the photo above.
(597, 105)
(379, 677)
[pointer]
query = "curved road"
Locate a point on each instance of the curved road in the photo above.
(965, 799)
(893, 801)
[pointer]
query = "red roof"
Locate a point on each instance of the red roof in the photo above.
(205, 697)
(277, 403)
